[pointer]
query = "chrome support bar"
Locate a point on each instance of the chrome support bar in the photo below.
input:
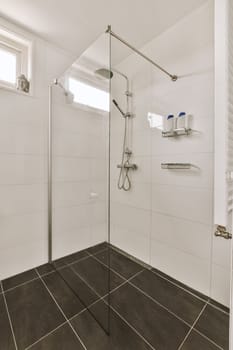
(172, 76)
(50, 143)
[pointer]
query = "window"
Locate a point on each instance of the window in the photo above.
(8, 66)
(15, 58)
(89, 95)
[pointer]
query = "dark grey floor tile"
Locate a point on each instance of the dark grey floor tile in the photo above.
(45, 268)
(120, 263)
(33, 312)
(85, 294)
(6, 338)
(160, 328)
(65, 297)
(220, 306)
(215, 325)
(121, 337)
(98, 247)
(97, 275)
(69, 259)
(196, 342)
(19, 279)
(186, 306)
(61, 339)
(182, 285)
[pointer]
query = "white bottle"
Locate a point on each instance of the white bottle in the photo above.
(169, 123)
(181, 121)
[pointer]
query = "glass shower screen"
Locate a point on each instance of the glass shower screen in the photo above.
(79, 171)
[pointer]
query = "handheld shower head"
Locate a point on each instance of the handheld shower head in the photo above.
(118, 107)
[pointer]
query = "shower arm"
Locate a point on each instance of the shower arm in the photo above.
(172, 76)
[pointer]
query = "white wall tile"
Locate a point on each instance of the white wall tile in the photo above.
(220, 288)
(188, 236)
(187, 268)
(22, 169)
(71, 169)
(22, 199)
(183, 202)
(139, 196)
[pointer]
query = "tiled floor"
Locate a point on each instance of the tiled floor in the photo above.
(149, 310)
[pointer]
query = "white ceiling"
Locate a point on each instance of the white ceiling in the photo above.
(74, 24)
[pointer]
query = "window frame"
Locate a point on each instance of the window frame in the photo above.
(17, 54)
(22, 48)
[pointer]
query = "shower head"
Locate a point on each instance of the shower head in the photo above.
(68, 94)
(104, 73)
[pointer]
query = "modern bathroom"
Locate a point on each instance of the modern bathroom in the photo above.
(116, 175)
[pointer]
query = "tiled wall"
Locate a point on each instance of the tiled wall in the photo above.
(79, 170)
(167, 218)
(23, 163)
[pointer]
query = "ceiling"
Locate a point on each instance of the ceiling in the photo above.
(74, 24)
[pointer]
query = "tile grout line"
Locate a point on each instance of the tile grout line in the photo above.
(21, 284)
(147, 268)
(190, 330)
(61, 325)
(151, 269)
(189, 292)
(131, 326)
(178, 286)
(218, 308)
(51, 295)
(209, 340)
(147, 295)
(207, 302)
(46, 335)
(114, 271)
(74, 316)
(204, 336)
(9, 317)
(47, 273)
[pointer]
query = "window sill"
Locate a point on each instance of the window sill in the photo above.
(14, 90)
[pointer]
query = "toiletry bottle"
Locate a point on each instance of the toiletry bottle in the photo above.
(180, 120)
(169, 123)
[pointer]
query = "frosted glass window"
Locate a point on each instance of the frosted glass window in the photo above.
(8, 64)
(89, 95)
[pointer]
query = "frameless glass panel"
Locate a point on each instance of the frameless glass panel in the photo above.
(159, 215)
(80, 129)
